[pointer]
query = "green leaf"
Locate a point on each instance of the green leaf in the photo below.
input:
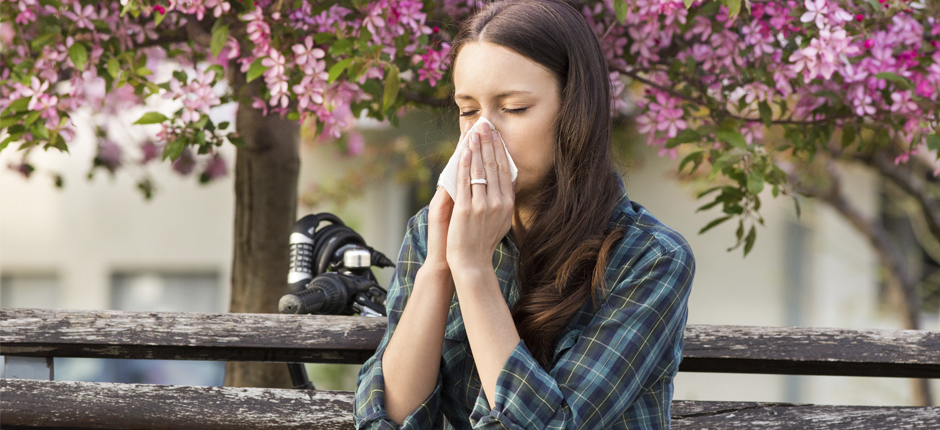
(749, 240)
(933, 142)
(714, 223)
(219, 37)
(173, 149)
(894, 77)
(18, 105)
(113, 67)
(687, 136)
(256, 70)
(9, 139)
(219, 71)
(79, 55)
(43, 40)
(765, 114)
(848, 136)
(151, 118)
(708, 191)
(223, 125)
(392, 85)
(688, 3)
(6, 122)
(31, 118)
(734, 7)
(158, 18)
(755, 183)
(340, 47)
(621, 8)
(143, 71)
(338, 69)
(39, 130)
(733, 138)
(695, 158)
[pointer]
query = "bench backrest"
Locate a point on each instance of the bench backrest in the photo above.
(336, 339)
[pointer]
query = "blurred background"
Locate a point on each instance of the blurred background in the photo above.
(97, 243)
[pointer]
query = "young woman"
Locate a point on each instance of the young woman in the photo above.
(549, 302)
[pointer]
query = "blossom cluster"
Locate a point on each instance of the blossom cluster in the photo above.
(66, 55)
(812, 61)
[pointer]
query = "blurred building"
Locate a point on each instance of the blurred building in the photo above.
(99, 245)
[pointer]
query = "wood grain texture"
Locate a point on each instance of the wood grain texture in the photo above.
(687, 415)
(63, 404)
(811, 351)
(87, 405)
(189, 336)
(345, 339)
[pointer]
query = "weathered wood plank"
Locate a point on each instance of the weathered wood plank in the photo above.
(811, 351)
(63, 404)
(189, 335)
(688, 415)
(338, 339)
(87, 405)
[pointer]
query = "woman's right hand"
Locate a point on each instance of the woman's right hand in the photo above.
(439, 213)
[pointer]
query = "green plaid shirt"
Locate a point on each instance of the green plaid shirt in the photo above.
(613, 368)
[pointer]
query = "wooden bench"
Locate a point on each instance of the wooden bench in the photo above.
(26, 404)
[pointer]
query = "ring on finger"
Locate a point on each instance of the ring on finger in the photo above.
(477, 181)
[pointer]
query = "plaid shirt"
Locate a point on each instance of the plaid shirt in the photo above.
(613, 368)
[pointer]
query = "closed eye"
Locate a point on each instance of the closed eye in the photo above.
(509, 111)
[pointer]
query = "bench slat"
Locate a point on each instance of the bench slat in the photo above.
(350, 339)
(65, 405)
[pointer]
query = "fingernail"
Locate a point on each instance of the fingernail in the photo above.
(494, 135)
(475, 138)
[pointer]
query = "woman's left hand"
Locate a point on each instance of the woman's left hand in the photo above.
(482, 213)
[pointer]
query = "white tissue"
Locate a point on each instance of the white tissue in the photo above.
(448, 178)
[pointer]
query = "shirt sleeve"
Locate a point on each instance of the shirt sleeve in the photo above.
(369, 403)
(634, 338)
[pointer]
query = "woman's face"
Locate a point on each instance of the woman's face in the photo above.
(521, 99)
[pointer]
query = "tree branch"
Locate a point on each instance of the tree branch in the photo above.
(912, 185)
(699, 102)
(889, 255)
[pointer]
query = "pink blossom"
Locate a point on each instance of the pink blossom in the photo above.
(669, 118)
(902, 102)
(646, 123)
(257, 103)
(805, 59)
(190, 7)
(863, 103)
(218, 7)
(275, 62)
(150, 151)
(186, 162)
(216, 168)
(306, 52)
(82, 16)
(46, 104)
(355, 144)
(109, 155)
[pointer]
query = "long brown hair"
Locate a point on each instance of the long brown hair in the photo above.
(564, 253)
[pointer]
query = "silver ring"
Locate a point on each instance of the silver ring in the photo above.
(478, 181)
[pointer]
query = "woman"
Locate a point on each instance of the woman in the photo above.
(580, 324)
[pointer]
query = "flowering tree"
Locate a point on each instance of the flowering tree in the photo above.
(753, 95)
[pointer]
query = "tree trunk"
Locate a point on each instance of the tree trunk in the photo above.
(266, 172)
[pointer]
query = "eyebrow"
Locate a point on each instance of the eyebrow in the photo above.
(501, 95)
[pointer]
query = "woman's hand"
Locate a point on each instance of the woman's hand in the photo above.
(439, 214)
(482, 213)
